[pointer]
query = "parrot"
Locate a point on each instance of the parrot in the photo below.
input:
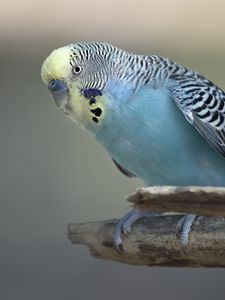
(158, 120)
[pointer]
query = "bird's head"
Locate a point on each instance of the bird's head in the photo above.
(77, 76)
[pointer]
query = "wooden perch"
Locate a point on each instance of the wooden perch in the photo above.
(155, 241)
(204, 201)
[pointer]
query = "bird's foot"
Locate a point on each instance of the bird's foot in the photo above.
(123, 227)
(184, 227)
(125, 224)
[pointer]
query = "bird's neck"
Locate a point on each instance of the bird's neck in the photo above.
(134, 71)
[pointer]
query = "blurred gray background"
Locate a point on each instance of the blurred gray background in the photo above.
(52, 173)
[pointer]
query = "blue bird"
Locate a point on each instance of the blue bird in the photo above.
(159, 121)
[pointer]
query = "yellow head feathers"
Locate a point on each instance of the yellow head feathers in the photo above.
(56, 65)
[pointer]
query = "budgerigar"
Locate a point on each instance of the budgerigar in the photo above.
(159, 121)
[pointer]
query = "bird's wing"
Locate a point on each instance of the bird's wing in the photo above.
(203, 105)
(123, 170)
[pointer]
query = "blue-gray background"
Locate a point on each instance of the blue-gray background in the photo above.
(52, 173)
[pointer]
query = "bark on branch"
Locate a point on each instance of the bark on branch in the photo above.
(204, 201)
(155, 241)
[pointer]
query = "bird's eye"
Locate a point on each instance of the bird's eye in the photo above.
(77, 69)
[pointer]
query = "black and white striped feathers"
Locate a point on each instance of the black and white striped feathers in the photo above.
(202, 102)
(103, 61)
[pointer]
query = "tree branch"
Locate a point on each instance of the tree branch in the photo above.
(204, 201)
(154, 241)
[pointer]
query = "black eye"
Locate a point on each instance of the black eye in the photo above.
(77, 69)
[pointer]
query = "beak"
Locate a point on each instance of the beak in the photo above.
(59, 92)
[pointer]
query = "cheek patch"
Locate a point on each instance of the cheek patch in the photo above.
(90, 94)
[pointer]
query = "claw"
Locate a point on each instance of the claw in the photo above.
(118, 242)
(126, 229)
(184, 226)
(125, 224)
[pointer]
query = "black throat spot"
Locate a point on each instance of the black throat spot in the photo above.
(97, 111)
